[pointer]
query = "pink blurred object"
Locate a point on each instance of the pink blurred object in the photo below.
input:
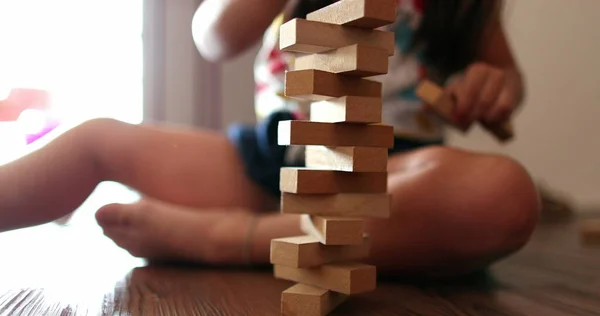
(29, 107)
(21, 99)
(48, 127)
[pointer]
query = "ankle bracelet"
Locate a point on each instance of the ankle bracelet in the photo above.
(246, 251)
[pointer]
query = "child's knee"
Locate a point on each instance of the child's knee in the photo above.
(503, 201)
(511, 186)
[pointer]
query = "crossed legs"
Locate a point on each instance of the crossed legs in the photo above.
(452, 209)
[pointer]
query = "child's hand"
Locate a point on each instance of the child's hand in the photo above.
(485, 93)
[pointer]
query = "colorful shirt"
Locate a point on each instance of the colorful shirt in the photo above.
(402, 109)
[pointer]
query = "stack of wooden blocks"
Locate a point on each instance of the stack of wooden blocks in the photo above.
(345, 177)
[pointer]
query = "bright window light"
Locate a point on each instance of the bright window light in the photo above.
(88, 54)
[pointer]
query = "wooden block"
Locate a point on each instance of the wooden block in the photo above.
(503, 132)
(318, 181)
(443, 104)
(359, 205)
(306, 300)
(354, 60)
(336, 231)
(317, 85)
(349, 278)
(350, 159)
(308, 251)
(296, 132)
(360, 13)
(349, 109)
(590, 232)
(310, 37)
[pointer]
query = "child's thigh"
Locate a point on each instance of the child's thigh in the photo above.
(190, 167)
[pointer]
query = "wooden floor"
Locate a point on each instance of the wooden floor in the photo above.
(553, 275)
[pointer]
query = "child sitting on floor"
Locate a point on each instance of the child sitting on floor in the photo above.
(213, 198)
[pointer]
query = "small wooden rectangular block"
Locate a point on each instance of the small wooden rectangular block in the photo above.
(317, 85)
(355, 60)
(296, 132)
(308, 251)
(360, 13)
(303, 36)
(503, 132)
(350, 159)
(590, 232)
(349, 278)
(306, 300)
(362, 205)
(431, 94)
(336, 231)
(317, 181)
(350, 109)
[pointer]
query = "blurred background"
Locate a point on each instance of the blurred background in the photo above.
(65, 61)
(558, 47)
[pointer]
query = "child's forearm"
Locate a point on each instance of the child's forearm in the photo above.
(224, 28)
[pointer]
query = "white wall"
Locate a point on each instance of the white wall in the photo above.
(558, 45)
(237, 88)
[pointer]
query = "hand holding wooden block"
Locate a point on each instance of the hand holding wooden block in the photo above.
(443, 104)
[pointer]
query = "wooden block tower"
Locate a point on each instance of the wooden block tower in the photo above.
(345, 178)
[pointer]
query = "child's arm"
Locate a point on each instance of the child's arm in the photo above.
(224, 28)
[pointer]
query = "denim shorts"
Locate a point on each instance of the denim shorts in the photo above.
(263, 157)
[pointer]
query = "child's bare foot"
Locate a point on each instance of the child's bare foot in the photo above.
(159, 231)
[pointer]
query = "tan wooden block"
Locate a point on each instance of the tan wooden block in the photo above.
(503, 132)
(349, 278)
(303, 36)
(360, 13)
(440, 102)
(297, 132)
(306, 300)
(354, 60)
(359, 205)
(349, 109)
(318, 181)
(350, 159)
(307, 251)
(336, 231)
(590, 232)
(443, 105)
(318, 85)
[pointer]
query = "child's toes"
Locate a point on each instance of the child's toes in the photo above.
(153, 230)
(116, 215)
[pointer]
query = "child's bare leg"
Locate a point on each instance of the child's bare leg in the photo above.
(199, 169)
(452, 212)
